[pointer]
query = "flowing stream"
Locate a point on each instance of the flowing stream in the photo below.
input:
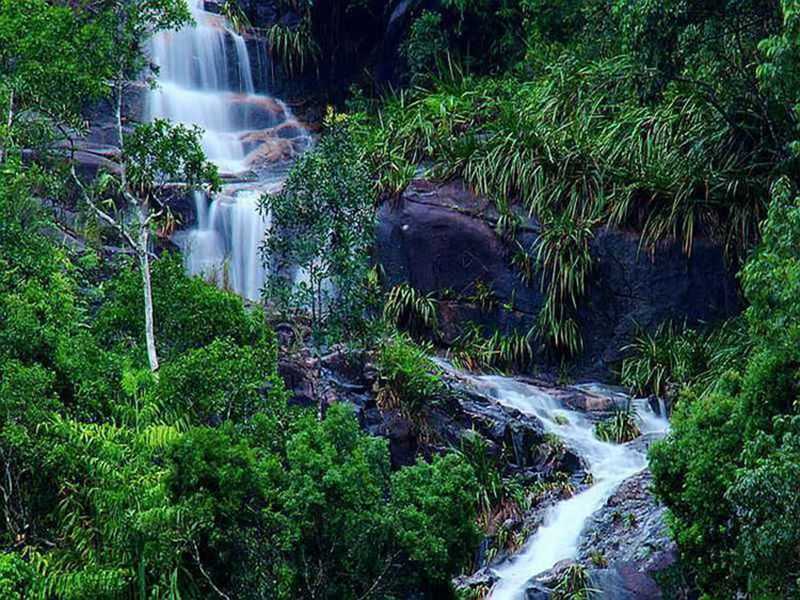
(205, 78)
(610, 465)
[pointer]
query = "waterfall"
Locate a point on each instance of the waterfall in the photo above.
(610, 464)
(205, 79)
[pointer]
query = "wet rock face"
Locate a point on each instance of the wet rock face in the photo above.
(630, 528)
(441, 238)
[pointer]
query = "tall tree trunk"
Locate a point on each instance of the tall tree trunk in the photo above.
(144, 267)
(143, 247)
(9, 123)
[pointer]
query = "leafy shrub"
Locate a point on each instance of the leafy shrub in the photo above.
(498, 498)
(408, 379)
(433, 509)
(425, 46)
(334, 497)
(322, 223)
(725, 470)
(220, 382)
(188, 313)
(16, 576)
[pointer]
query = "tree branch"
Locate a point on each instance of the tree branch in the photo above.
(208, 578)
(389, 562)
(101, 213)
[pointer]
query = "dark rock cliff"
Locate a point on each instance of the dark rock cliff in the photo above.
(440, 238)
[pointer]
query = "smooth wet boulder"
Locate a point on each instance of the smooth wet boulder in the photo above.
(255, 112)
(440, 238)
(624, 581)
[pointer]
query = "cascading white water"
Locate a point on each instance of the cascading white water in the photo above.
(610, 465)
(205, 79)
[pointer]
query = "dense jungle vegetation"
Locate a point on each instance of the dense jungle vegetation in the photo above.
(146, 445)
(195, 480)
(675, 119)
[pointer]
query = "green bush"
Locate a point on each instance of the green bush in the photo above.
(221, 382)
(408, 379)
(433, 513)
(16, 576)
(425, 46)
(188, 313)
(322, 223)
(335, 514)
(725, 470)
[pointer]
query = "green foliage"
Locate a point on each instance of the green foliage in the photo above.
(322, 224)
(425, 46)
(409, 309)
(765, 500)
(484, 296)
(294, 47)
(15, 576)
(188, 312)
(433, 507)
(325, 40)
(499, 498)
(778, 73)
(771, 277)
(160, 153)
(620, 428)
(52, 62)
(474, 350)
(490, 482)
(220, 382)
(574, 584)
(408, 379)
(429, 515)
(661, 362)
(719, 469)
(564, 260)
(235, 15)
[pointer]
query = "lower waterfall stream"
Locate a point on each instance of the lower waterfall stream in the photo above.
(610, 464)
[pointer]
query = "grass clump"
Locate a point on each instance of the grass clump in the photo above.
(672, 357)
(622, 427)
(410, 309)
(408, 380)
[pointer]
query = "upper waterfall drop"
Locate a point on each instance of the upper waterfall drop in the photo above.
(205, 79)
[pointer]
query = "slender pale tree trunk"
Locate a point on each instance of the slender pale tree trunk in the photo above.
(147, 287)
(143, 248)
(9, 123)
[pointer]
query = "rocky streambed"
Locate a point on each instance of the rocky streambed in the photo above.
(593, 506)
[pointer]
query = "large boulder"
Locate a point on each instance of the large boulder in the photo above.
(440, 238)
